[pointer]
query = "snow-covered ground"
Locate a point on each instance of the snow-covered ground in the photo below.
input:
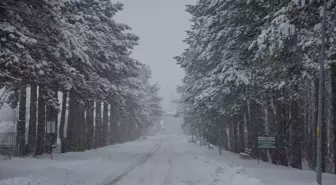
(86, 168)
(165, 159)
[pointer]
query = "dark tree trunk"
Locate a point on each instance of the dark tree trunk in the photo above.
(98, 125)
(308, 127)
(333, 102)
(112, 136)
(51, 120)
(105, 124)
(71, 123)
(89, 124)
(62, 123)
(281, 133)
(78, 130)
(116, 126)
(256, 125)
(225, 137)
(75, 143)
(250, 133)
(314, 143)
(40, 138)
(80, 127)
(233, 134)
(55, 115)
(21, 123)
(32, 119)
(241, 134)
(296, 135)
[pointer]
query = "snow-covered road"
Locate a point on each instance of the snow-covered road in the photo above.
(177, 162)
(164, 159)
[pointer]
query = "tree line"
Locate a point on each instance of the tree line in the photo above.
(77, 51)
(252, 70)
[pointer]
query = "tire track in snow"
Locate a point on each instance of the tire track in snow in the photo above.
(169, 175)
(143, 160)
(168, 179)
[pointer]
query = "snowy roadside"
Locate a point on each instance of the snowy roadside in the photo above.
(81, 168)
(266, 172)
(228, 175)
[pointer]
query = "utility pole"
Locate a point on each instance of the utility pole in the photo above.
(321, 101)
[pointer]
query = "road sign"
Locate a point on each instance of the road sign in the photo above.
(266, 142)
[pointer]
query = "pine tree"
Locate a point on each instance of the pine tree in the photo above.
(253, 60)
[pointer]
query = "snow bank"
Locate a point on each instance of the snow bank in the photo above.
(81, 168)
(264, 172)
(227, 174)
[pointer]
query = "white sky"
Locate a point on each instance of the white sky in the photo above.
(161, 26)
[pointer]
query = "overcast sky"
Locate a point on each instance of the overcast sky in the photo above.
(161, 26)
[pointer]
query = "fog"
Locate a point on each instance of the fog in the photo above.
(161, 25)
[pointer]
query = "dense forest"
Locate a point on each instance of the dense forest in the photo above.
(252, 70)
(74, 50)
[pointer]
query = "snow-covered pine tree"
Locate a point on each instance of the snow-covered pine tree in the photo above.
(252, 59)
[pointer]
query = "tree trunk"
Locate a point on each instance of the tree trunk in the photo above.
(76, 130)
(71, 123)
(21, 123)
(267, 129)
(241, 133)
(250, 132)
(105, 124)
(308, 138)
(314, 143)
(89, 124)
(296, 135)
(80, 127)
(256, 126)
(40, 138)
(98, 125)
(62, 123)
(32, 119)
(333, 102)
(116, 126)
(225, 136)
(55, 115)
(245, 131)
(51, 118)
(280, 134)
(235, 134)
(112, 136)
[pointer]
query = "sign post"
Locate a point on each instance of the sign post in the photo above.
(265, 142)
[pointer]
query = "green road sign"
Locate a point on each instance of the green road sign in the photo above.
(266, 142)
